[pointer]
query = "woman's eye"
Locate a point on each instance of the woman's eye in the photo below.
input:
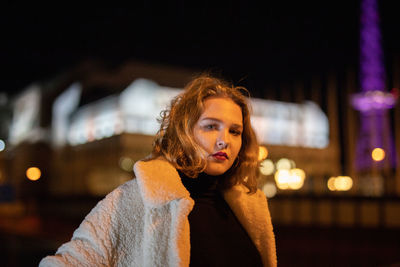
(210, 126)
(236, 132)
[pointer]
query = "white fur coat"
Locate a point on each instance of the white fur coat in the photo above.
(144, 222)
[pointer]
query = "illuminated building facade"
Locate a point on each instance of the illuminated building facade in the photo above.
(95, 141)
(98, 110)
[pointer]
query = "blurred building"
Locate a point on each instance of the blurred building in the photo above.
(86, 128)
(62, 127)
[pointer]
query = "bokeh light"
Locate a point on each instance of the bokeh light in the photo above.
(267, 167)
(292, 164)
(378, 154)
(340, 183)
(126, 164)
(269, 190)
(262, 153)
(343, 183)
(298, 172)
(290, 179)
(33, 173)
(282, 179)
(2, 145)
(331, 184)
(297, 177)
(284, 164)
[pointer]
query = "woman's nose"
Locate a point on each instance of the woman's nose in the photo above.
(222, 141)
(221, 144)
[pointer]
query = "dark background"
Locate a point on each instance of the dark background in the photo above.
(254, 43)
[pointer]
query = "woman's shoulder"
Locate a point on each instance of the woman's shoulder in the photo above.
(240, 191)
(152, 165)
(159, 181)
(124, 195)
(127, 190)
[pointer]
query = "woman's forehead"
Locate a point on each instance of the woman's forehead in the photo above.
(223, 109)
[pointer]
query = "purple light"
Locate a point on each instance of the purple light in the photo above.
(372, 74)
(373, 102)
(373, 124)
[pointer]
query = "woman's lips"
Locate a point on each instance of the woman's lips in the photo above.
(220, 156)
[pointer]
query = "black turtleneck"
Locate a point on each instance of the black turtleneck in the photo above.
(216, 236)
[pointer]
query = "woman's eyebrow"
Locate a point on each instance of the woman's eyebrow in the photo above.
(211, 118)
(236, 125)
(239, 126)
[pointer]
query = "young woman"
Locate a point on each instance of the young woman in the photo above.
(194, 201)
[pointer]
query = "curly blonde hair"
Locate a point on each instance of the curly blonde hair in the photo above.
(175, 140)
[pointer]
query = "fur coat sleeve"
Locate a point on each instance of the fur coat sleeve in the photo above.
(98, 240)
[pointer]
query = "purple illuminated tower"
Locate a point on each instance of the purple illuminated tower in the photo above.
(373, 101)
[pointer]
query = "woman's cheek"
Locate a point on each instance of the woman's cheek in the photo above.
(202, 140)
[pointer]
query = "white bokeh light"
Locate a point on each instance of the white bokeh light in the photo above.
(2, 145)
(269, 190)
(267, 167)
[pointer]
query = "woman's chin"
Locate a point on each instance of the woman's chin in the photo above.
(216, 168)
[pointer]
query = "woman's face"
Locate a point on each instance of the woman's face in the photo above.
(219, 132)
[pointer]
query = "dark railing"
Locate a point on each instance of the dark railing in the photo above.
(336, 211)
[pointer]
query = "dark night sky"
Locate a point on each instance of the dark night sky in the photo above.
(279, 41)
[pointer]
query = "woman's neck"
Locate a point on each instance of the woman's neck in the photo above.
(203, 183)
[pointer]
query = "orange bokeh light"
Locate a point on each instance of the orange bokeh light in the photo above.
(33, 173)
(378, 154)
(262, 153)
